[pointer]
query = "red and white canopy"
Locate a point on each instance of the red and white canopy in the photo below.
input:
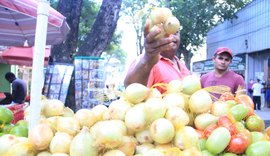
(18, 23)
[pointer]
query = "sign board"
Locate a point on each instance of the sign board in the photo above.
(238, 64)
(57, 80)
(89, 81)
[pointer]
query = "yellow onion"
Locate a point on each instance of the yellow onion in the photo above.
(144, 136)
(200, 102)
(162, 131)
(52, 107)
(23, 148)
(69, 125)
(174, 99)
(85, 117)
(172, 25)
(6, 141)
(98, 111)
(117, 109)
(174, 86)
(83, 144)
(60, 143)
(192, 151)
(186, 137)
(155, 93)
(169, 150)
(154, 108)
(40, 136)
(68, 112)
(60, 154)
(154, 152)
(159, 15)
(52, 122)
(114, 153)
(44, 153)
(143, 148)
(108, 135)
(128, 146)
(191, 84)
(204, 120)
(177, 116)
(135, 118)
(220, 108)
(136, 93)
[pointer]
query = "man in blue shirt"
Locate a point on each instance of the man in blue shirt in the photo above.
(19, 88)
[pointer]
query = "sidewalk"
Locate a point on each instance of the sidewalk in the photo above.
(264, 113)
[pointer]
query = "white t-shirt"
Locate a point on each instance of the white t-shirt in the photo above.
(257, 89)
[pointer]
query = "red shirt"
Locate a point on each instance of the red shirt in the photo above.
(165, 71)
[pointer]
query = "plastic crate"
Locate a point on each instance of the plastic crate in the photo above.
(18, 111)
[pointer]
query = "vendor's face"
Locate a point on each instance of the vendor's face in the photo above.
(174, 46)
(222, 61)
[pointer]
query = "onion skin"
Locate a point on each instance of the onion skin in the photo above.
(41, 136)
(136, 93)
(162, 131)
(200, 102)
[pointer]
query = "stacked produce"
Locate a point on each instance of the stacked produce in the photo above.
(144, 122)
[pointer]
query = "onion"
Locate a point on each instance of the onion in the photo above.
(191, 84)
(60, 154)
(6, 141)
(220, 108)
(129, 145)
(169, 149)
(135, 118)
(69, 125)
(114, 153)
(60, 143)
(107, 135)
(186, 137)
(159, 15)
(136, 93)
(40, 136)
(200, 102)
(144, 136)
(68, 112)
(83, 144)
(155, 93)
(23, 148)
(174, 86)
(154, 108)
(85, 117)
(153, 152)
(117, 109)
(44, 153)
(204, 120)
(52, 107)
(52, 122)
(177, 116)
(172, 25)
(98, 111)
(143, 148)
(174, 99)
(162, 131)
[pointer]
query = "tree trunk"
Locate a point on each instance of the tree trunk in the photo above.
(63, 53)
(72, 10)
(102, 30)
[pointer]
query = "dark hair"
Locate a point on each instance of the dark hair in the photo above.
(9, 76)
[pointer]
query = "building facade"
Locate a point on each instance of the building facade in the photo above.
(249, 38)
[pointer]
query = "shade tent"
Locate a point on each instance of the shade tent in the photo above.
(18, 23)
(37, 23)
(21, 56)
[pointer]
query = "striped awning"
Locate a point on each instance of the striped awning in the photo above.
(18, 23)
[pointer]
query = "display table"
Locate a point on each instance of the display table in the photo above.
(18, 111)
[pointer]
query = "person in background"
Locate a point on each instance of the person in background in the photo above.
(158, 64)
(19, 88)
(250, 83)
(267, 92)
(221, 75)
(257, 93)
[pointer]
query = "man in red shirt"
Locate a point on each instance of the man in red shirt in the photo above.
(158, 64)
(221, 74)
